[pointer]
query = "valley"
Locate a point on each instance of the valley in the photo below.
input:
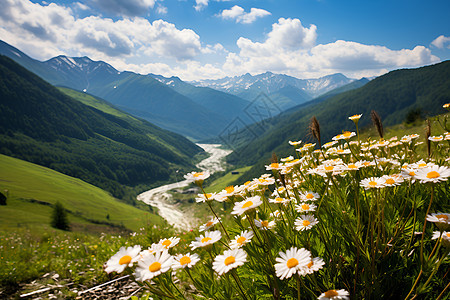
(160, 199)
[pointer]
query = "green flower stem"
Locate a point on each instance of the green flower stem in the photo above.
(424, 226)
(239, 284)
(298, 286)
(443, 292)
(210, 207)
(435, 270)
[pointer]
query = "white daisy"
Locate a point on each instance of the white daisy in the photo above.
(392, 180)
(355, 117)
(279, 200)
(230, 259)
(170, 242)
(291, 262)
(241, 239)
(197, 177)
(264, 224)
(305, 207)
(273, 166)
(372, 183)
(329, 144)
(205, 197)
(295, 143)
(314, 265)
(287, 159)
(334, 295)
(125, 257)
(213, 221)
(185, 261)
(436, 138)
(309, 196)
(245, 205)
(433, 174)
(442, 220)
(305, 222)
(209, 238)
(152, 265)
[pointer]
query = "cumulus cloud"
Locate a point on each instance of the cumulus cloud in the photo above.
(441, 42)
(127, 8)
(201, 4)
(237, 13)
(291, 48)
(54, 27)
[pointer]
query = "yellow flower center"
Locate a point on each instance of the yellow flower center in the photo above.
(154, 267)
(305, 206)
(247, 182)
(229, 189)
(262, 180)
(310, 264)
(390, 181)
(292, 262)
(422, 165)
(373, 183)
(309, 196)
(185, 260)
(241, 240)
(445, 217)
(340, 151)
(205, 240)
(433, 174)
(208, 195)
(278, 199)
(347, 134)
(125, 260)
(412, 173)
(209, 223)
(229, 260)
(329, 168)
(265, 223)
(247, 204)
(366, 163)
(274, 165)
(448, 234)
(198, 174)
(331, 293)
(352, 166)
(306, 223)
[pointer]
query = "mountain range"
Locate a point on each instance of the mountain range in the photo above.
(198, 111)
(286, 91)
(393, 96)
(96, 143)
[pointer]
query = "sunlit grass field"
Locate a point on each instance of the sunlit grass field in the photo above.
(32, 189)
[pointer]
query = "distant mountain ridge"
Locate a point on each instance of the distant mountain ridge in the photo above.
(392, 95)
(198, 112)
(271, 83)
(40, 124)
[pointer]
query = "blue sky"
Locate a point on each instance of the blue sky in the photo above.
(200, 39)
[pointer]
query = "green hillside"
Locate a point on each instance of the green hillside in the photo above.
(32, 189)
(40, 124)
(392, 95)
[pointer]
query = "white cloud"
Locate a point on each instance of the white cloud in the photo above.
(49, 30)
(201, 4)
(291, 48)
(237, 13)
(127, 8)
(162, 10)
(82, 6)
(441, 41)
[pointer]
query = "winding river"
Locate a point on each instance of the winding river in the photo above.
(159, 198)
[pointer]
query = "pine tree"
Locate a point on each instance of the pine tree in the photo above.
(59, 217)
